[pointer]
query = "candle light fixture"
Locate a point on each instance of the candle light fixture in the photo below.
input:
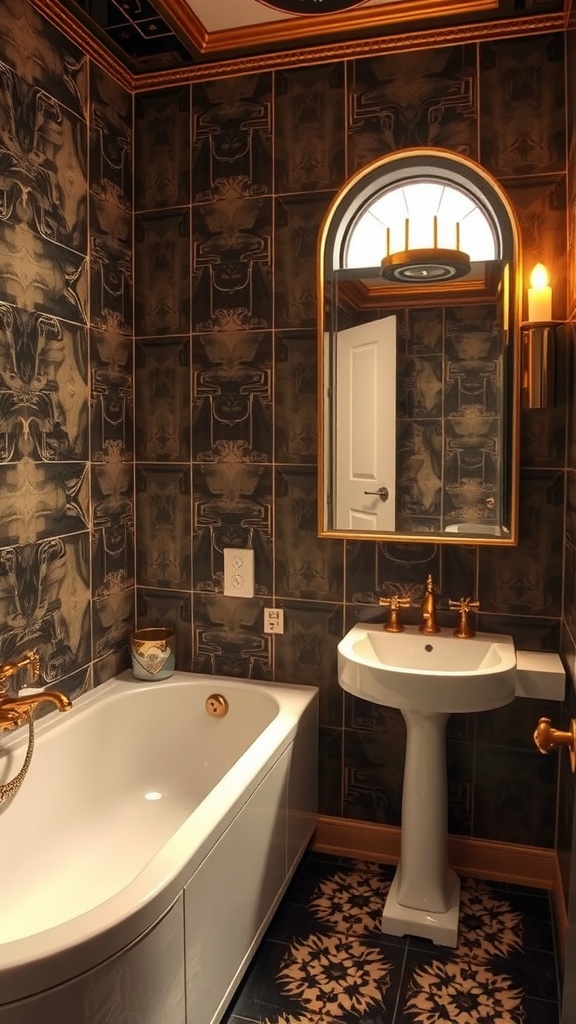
(539, 344)
(423, 264)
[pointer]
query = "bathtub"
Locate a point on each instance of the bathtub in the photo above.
(148, 847)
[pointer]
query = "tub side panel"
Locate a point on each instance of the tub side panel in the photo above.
(230, 896)
(144, 982)
(302, 797)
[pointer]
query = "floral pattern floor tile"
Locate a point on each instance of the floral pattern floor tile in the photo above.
(324, 959)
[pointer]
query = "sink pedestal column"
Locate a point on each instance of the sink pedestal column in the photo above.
(424, 898)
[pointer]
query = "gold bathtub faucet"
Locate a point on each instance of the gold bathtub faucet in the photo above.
(14, 709)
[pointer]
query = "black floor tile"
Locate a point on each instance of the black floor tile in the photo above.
(325, 960)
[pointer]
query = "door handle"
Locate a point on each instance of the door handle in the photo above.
(382, 492)
(546, 739)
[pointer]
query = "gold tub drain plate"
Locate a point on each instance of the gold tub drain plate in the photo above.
(216, 705)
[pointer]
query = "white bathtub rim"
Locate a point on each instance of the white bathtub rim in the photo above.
(48, 958)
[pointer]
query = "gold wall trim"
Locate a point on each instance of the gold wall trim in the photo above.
(322, 54)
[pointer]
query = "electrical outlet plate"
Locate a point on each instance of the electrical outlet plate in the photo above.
(273, 620)
(239, 572)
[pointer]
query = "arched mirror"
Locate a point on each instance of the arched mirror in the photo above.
(418, 354)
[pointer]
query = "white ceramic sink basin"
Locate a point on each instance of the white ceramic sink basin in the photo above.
(436, 674)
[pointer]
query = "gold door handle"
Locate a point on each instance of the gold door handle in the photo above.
(546, 739)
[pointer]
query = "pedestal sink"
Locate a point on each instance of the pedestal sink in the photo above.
(428, 678)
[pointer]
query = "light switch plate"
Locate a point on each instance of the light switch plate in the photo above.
(239, 572)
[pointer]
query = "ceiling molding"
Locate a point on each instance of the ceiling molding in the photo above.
(327, 53)
(306, 30)
(452, 35)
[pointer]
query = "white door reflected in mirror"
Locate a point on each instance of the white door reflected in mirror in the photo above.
(365, 453)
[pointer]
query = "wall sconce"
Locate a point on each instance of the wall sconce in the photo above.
(539, 344)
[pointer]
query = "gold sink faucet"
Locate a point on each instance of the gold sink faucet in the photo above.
(429, 624)
(14, 709)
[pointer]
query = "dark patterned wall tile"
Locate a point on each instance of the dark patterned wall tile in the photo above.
(162, 149)
(307, 567)
(297, 222)
(232, 396)
(232, 137)
(513, 725)
(514, 796)
(422, 98)
(570, 587)
(110, 139)
(43, 152)
(111, 433)
(171, 610)
(111, 665)
(163, 528)
(419, 386)
(425, 331)
(306, 653)
(46, 602)
(43, 387)
(228, 637)
(571, 507)
(527, 579)
(113, 526)
(540, 204)
(419, 472)
(232, 508)
(110, 265)
(373, 768)
(58, 286)
(162, 282)
(112, 623)
(542, 437)
(41, 500)
(390, 569)
(309, 128)
(330, 748)
(522, 105)
(162, 389)
(295, 397)
(460, 773)
(41, 55)
(232, 265)
(458, 572)
(529, 632)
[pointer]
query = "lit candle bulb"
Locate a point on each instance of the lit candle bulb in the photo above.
(539, 296)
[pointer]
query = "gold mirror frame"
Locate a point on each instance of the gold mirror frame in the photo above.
(365, 184)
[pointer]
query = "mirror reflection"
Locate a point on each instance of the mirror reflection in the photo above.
(418, 352)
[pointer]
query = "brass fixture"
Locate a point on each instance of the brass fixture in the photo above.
(216, 705)
(429, 624)
(464, 606)
(420, 266)
(32, 658)
(14, 709)
(546, 739)
(394, 603)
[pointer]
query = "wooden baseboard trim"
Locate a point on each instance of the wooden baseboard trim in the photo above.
(480, 858)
